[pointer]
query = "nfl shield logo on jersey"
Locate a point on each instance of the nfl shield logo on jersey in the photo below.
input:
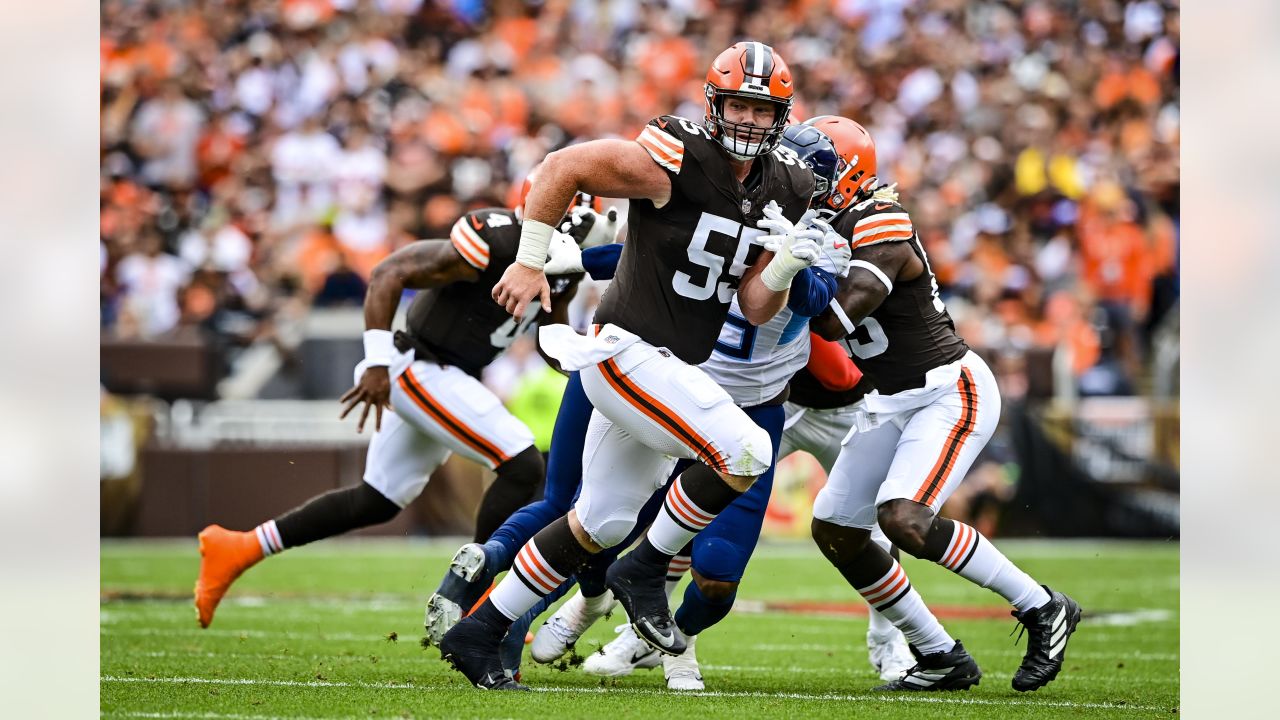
(746, 206)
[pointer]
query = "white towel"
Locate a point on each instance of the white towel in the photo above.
(576, 352)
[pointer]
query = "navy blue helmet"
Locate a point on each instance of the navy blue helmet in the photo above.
(818, 152)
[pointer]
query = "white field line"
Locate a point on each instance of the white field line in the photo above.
(831, 697)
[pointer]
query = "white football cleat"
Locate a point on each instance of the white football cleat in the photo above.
(889, 654)
(558, 634)
(622, 655)
(682, 670)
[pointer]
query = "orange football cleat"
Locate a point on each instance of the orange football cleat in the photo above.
(224, 554)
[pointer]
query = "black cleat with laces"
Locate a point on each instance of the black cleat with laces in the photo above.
(1048, 629)
(641, 589)
(954, 669)
(471, 647)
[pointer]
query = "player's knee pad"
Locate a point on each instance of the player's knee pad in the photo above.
(719, 560)
(755, 453)
(715, 591)
(369, 506)
(607, 527)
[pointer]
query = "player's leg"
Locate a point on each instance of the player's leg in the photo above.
(475, 565)
(938, 445)
(819, 433)
(843, 516)
(613, 493)
(719, 557)
(677, 407)
(458, 412)
(399, 460)
(593, 600)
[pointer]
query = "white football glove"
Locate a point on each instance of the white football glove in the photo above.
(836, 250)
(779, 227)
(565, 257)
(796, 250)
(590, 228)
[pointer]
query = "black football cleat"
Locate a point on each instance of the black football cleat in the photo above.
(954, 669)
(1048, 629)
(642, 591)
(471, 647)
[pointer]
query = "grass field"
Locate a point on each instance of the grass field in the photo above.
(333, 630)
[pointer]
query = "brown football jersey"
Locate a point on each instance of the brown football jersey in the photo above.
(682, 262)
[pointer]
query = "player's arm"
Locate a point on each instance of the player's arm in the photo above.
(610, 168)
(872, 273)
(417, 266)
(793, 247)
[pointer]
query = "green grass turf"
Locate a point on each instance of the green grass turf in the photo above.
(306, 634)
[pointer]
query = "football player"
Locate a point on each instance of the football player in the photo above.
(698, 192)
(754, 365)
(429, 375)
(913, 438)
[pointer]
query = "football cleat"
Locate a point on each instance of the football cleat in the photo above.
(622, 655)
(681, 670)
(463, 585)
(889, 654)
(1048, 629)
(642, 591)
(471, 647)
(558, 635)
(954, 669)
(224, 554)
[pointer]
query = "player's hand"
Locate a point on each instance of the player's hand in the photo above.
(373, 391)
(565, 256)
(519, 285)
(780, 229)
(589, 228)
(806, 245)
(837, 252)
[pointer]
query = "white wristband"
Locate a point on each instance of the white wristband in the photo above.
(379, 348)
(535, 238)
(781, 270)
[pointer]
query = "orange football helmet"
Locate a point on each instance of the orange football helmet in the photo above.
(748, 70)
(856, 170)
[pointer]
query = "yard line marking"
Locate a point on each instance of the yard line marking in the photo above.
(830, 697)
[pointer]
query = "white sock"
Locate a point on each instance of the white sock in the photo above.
(893, 596)
(269, 538)
(975, 559)
(531, 579)
(680, 520)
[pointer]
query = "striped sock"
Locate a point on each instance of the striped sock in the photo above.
(683, 516)
(269, 538)
(531, 579)
(544, 562)
(676, 569)
(894, 597)
(975, 559)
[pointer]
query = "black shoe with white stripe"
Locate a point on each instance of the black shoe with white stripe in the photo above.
(641, 589)
(954, 669)
(1048, 629)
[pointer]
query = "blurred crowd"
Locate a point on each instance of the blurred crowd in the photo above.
(259, 157)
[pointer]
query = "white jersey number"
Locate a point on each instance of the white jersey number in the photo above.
(699, 255)
(876, 341)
